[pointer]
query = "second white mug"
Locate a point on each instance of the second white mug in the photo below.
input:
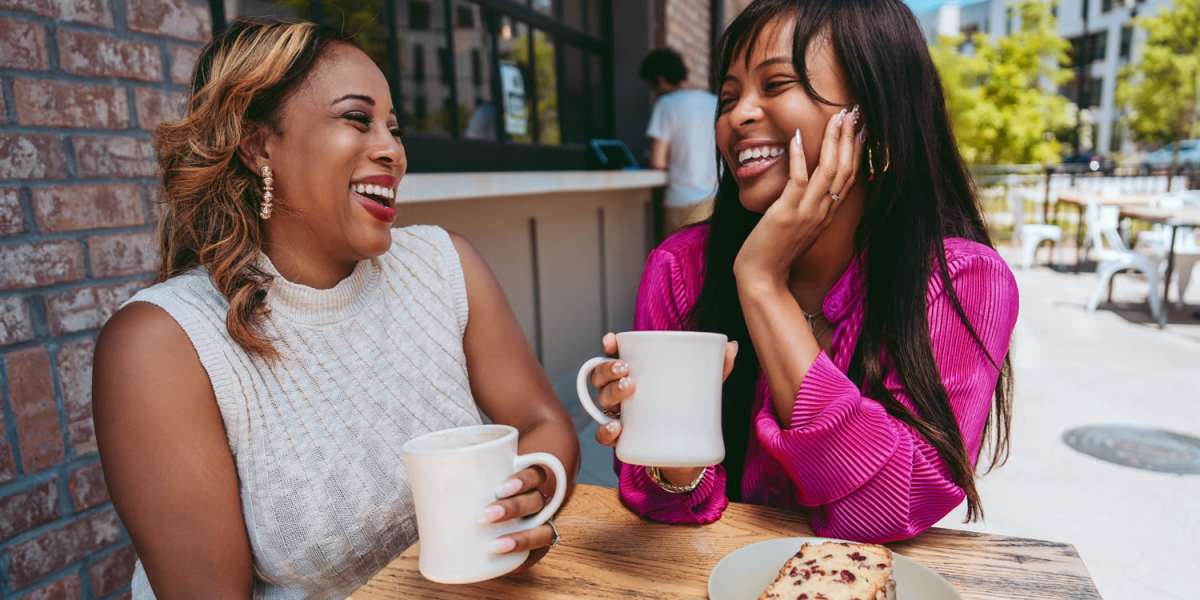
(673, 418)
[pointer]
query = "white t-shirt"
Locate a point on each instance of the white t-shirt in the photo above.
(684, 120)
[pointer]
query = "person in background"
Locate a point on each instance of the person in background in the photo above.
(681, 139)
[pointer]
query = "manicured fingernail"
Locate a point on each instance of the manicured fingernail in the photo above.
(620, 368)
(612, 426)
(501, 545)
(508, 488)
(861, 137)
(735, 346)
(623, 383)
(796, 138)
(837, 119)
(855, 113)
(492, 513)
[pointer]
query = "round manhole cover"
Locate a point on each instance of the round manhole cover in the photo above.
(1140, 448)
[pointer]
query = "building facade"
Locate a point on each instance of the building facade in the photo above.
(1103, 41)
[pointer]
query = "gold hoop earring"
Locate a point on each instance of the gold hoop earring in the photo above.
(887, 159)
(267, 207)
(870, 164)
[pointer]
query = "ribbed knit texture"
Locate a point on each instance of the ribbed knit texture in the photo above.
(316, 436)
(865, 475)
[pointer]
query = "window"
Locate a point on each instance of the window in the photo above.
(519, 84)
(465, 16)
(1090, 48)
(1106, 6)
(418, 15)
(1126, 41)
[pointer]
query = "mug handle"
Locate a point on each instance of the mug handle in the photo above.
(585, 398)
(544, 459)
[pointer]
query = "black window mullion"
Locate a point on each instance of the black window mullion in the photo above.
(393, 51)
(533, 91)
(450, 66)
(559, 85)
(492, 22)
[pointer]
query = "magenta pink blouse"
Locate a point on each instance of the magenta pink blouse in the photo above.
(864, 475)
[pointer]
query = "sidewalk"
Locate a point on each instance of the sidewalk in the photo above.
(1133, 528)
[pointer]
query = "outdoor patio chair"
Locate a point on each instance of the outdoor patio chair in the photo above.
(1115, 257)
(1187, 250)
(1030, 235)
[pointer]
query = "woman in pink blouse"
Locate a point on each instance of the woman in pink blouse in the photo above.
(848, 256)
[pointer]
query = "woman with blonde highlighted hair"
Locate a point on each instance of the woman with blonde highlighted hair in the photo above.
(251, 405)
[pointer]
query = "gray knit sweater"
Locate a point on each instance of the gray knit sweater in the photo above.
(364, 367)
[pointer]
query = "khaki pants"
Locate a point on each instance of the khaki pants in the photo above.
(677, 217)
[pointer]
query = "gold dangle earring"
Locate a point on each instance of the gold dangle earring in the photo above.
(268, 180)
(870, 164)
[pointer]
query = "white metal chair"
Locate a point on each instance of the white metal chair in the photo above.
(1114, 257)
(1030, 235)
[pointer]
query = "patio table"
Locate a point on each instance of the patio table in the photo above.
(1079, 199)
(1172, 218)
(607, 552)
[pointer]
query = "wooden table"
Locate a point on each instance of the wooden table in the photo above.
(1174, 218)
(608, 553)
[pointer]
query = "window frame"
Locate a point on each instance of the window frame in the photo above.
(428, 153)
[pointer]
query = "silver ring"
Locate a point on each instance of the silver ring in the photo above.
(554, 530)
(834, 195)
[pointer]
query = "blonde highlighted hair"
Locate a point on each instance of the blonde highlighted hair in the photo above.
(241, 81)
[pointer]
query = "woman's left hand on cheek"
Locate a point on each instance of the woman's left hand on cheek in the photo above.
(520, 496)
(793, 222)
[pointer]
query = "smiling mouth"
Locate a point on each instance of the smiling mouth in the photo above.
(386, 197)
(759, 155)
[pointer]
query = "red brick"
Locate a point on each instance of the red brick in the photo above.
(31, 393)
(40, 263)
(75, 375)
(94, 12)
(86, 53)
(88, 488)
(23, 45)
(184, 19)
(183, 61)
(8, 467)
(113, 571)
(15, 322)
(156, 106)
(123, 254)
(57, 548)
(66, 588)
(11, 219)
(66, 104)
(86, 308)
(31, 156)
(158, 202)
(25, 510)
(82, 434)
(72, 207)
(116, 156)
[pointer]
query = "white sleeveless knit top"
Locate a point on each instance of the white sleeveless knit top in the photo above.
(364, 367)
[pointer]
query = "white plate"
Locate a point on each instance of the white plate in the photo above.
(744, 573)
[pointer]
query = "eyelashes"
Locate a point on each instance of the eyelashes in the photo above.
(365, 120)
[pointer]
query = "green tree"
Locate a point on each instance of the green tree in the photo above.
(1002, 97)
(1161, 91)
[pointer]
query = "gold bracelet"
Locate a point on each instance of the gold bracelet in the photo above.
(657, 477)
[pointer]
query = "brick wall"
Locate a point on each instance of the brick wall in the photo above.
(684, 26)
(82, 85)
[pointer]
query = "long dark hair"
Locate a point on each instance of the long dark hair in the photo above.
(925, 195)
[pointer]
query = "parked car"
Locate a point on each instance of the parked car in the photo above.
(1090, 162)
(1189, 156)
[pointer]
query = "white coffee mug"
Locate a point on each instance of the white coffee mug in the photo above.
(454, 475)
(673, 418)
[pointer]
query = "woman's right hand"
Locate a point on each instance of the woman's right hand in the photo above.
(613, 380)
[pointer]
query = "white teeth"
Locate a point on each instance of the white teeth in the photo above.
(759, 152)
